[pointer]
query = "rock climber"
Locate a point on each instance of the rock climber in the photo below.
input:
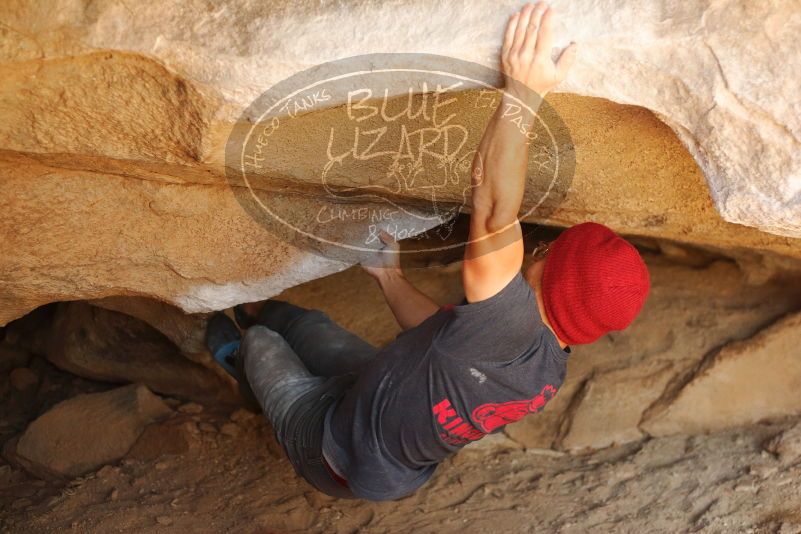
(361, 422)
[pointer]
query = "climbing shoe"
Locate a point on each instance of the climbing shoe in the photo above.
(222, 340)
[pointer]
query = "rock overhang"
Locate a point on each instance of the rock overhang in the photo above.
(132, 107)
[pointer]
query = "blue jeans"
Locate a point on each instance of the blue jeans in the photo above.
(298, 363)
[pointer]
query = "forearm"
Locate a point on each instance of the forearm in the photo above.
(530, 72)
(409, 306)
(494, 252)
(499, 168)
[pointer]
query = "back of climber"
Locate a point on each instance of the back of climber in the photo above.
(356, 421)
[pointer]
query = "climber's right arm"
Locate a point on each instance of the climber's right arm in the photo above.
(494, 252)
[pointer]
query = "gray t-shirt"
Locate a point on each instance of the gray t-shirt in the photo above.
(464, 372)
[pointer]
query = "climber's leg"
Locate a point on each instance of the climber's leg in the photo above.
(324, 347)
(275, 373)
(295, 402)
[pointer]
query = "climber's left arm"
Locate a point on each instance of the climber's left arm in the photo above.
(409, 305)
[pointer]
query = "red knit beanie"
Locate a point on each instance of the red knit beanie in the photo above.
(593, 282)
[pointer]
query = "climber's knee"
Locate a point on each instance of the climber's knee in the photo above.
(258, 337)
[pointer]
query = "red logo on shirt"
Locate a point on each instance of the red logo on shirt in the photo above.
(457, 431)
(492, 415)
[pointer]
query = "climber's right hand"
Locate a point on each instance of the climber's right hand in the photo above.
(526, 52)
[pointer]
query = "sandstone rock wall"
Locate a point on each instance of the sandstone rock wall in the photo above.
(115, 116)
(720, 73)
(744, 383)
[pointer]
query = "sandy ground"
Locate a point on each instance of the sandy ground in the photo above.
(241, 483)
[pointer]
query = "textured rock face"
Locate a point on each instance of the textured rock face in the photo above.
(745, 383)
(787, 445)
(174, 436)
(184, 330)
(721, 74)
(113, 347)
(114, 120)
(87, 431)
(612, 405)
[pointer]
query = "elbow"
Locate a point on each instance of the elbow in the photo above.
(490, 217)
(498, 222)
